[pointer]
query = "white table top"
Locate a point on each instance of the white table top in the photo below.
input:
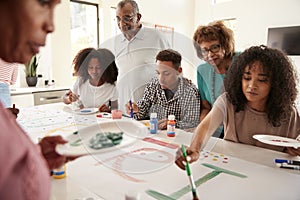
(149, 164)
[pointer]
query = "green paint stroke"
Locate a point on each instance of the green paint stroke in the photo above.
(158, 195)
(76, 143)
(224, 170)
(187, 189)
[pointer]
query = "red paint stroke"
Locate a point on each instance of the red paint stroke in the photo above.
(161, 143)
(274, 140)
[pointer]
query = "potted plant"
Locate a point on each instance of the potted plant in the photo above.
(30, 71)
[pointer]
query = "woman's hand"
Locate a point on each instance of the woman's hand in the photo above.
(192, 156)
(293, 151)
(53, 159)
(14, 111)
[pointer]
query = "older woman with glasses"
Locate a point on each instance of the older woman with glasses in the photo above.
(214, 44)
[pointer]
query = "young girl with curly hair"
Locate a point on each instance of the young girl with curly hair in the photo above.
(259, 99)
(95, 87)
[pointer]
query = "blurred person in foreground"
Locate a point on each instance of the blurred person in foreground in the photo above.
(25, 167)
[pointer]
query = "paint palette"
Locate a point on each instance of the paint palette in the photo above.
(79, 143)
(86, 111)
(277, 140)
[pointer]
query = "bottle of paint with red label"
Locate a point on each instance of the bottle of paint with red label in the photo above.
(171, 126)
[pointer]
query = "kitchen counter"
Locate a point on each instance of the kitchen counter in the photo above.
(31, 90)
(32, 96)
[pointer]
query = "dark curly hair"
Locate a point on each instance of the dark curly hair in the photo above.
(282, 75)
(214, 31)
(170, 55)
(107, 62)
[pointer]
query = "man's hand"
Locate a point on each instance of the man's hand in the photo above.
(133, 106)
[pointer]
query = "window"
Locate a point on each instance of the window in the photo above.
(84, 25)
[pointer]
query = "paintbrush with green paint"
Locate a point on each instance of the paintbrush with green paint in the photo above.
(189, 173)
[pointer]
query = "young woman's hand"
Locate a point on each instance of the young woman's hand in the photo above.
(192, 156)
(293, 151)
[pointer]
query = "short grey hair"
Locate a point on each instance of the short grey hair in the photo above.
(135, 6)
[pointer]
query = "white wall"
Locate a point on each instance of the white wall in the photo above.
(180, 15)
(253, 17)
(61, 45)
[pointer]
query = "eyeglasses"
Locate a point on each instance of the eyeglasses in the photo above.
(126, 19)
(214, 49)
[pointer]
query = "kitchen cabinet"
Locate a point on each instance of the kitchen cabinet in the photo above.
(26, 97)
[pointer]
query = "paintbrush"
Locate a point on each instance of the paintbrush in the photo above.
(189, 173)
(131, 109)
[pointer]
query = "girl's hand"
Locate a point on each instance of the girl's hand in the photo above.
(104, 108)
(73, 97)
(192, 156)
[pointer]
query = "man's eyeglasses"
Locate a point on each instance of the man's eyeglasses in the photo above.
(125, 19)
(214, 49)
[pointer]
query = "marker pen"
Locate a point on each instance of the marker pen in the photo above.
(288, 166)
(292, 162)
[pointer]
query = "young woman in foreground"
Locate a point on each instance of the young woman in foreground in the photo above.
(259, 99)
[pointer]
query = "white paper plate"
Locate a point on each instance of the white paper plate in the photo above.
(86, 111)
(78, 144)
(277, 140)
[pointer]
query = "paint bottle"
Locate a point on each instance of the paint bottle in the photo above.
(171, 126)
(59, 172)
(153, 123)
